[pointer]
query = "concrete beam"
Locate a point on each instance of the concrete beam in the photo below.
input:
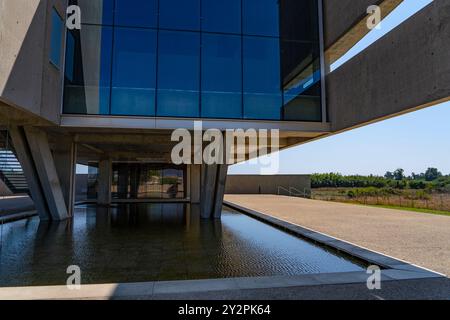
(345, 23)
(23, 154)
(407, 69)
(123, 139)
(48, 177)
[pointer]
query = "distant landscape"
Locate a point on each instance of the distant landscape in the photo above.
(428, 191)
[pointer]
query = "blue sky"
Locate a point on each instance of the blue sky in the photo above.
(413, 141)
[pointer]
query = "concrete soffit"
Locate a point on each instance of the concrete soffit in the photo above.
(356, 32)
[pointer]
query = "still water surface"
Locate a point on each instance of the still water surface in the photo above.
(146, 242)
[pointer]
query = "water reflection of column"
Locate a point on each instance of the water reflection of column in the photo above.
(53, 240)
(103, 217)
(187, 211)
(123, 181)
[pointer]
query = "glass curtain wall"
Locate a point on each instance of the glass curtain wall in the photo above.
(148, 181)
(234, 59)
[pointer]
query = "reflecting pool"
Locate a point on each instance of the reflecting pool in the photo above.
(147, 242)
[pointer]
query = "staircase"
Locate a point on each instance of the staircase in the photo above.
(11, 172)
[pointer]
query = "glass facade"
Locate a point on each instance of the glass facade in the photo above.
(134, 181)
(147, 181)
(234, 59)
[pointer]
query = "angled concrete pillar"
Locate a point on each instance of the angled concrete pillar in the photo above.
(104, 182)
(48, 177)
(4, 190)
(213, 188)
(66, 160)
(23, 154)
(209, 175)
(195, 182)
(222, 172)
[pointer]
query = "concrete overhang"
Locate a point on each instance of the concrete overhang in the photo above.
(147, 123)
(406, 70)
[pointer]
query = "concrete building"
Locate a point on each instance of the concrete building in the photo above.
(110, 94)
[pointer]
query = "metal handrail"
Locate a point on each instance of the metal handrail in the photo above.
(292, 191)
(284, 189)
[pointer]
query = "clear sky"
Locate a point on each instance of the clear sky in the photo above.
(414, 141)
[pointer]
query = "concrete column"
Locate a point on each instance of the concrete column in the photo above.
(213, 189)
(65, 161)
(48, 177)
(123, 177)
(23, 154)
(209, 175)
(221, 180)
(195, 182)
(135, 174)
(104, 182)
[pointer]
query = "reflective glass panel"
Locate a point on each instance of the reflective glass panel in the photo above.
(261, 17)
(301, 81)
(136, 13)
(179, 14)
(221, 76)
(262, 86)
(221, 16)
(234, 59)
(56, 39)
(88, 78)
(134, 72)
(178, 74)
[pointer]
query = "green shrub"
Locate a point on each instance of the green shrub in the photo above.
(417, 184)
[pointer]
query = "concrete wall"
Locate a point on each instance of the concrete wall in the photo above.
(258, 184)
(407, 69)
(27, 79)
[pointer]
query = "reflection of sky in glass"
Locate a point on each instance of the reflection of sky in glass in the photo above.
(234, 76)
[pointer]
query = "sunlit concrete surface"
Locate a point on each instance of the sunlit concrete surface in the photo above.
(296, 288)
(419, 238)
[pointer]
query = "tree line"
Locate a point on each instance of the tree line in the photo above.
(431, 179)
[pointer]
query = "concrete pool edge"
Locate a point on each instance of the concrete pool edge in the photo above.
(158, 288)
(373, 257)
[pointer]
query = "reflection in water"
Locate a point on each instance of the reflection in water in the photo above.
(145, 242)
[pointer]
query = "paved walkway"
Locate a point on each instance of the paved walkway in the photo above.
(419, 238)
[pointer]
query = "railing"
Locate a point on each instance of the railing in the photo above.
(294, 192)
(11, 171)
